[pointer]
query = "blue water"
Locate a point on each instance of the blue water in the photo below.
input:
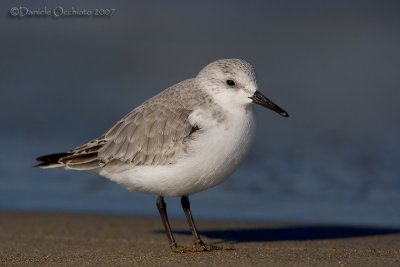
(333, 67)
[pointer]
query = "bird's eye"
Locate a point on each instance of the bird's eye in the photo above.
(230, 82)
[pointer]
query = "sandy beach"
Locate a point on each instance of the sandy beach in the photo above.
(35, 239)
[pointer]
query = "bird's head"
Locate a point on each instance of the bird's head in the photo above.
(233, 83)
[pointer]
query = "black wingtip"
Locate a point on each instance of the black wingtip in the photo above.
(50, 159)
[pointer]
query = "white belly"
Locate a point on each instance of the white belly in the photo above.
(212, 158)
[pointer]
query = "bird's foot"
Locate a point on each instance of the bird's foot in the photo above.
(199, 246)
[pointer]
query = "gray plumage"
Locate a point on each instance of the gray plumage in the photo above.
(155, 133)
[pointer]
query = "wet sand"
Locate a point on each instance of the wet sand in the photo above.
(35, 239)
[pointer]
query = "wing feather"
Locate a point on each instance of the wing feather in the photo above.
(154, 133)
(148, 137)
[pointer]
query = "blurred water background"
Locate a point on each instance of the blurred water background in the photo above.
(333, 65)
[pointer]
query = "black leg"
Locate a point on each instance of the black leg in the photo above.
(199, 244)
(162, 208)
(186, 208)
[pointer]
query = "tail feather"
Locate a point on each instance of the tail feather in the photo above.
(69, 160)
(52, 160)
(81, 161)
(84, 157)
(91, 165)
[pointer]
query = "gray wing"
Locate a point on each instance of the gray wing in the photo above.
(155, 133)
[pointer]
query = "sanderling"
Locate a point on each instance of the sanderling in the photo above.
(190, 137)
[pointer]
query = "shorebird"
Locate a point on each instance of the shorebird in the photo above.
(188, 138)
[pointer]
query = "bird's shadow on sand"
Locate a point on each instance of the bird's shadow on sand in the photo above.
(293, 233)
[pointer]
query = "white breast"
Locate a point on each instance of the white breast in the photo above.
(214, 155)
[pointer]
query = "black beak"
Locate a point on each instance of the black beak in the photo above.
(260, 99)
